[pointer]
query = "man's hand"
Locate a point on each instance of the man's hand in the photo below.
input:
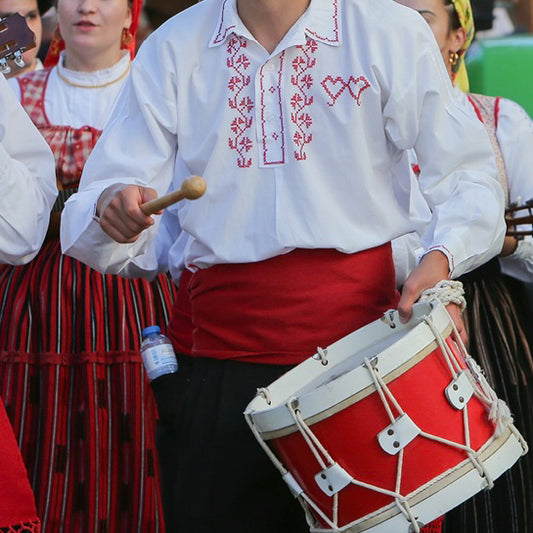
(432, 268)
(120, 214)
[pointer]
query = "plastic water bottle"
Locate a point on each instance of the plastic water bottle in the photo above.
(157, 353)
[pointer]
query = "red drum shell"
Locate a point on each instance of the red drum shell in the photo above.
(350, 438)
(334, 393)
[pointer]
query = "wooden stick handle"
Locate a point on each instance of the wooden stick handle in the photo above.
(191, 189)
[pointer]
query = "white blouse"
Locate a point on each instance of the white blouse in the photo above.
(27, 182)
(303, 147)
(67, 104)
(514, 133)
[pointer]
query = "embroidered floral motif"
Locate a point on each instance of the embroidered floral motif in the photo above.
(243, 105)
(302, 79)
(334, 87)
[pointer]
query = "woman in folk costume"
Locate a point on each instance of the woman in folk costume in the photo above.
(71, 374)
(496, 316)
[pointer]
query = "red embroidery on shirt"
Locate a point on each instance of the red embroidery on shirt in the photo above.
(335, 37)
(221, 35)
(269, 155)
(242, 104)
(416, 170)
(303, 81)
(334, 87)
(448, 254)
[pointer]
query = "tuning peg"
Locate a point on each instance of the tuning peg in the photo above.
(4, 67)
(18, 60)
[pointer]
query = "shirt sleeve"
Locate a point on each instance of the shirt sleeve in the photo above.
(457, 169)
(27, 182)
(149, 109)
(515, 137)
(406, 253)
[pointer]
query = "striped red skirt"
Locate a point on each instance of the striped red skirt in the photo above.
(74, 388)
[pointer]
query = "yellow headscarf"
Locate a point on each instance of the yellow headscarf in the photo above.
(466, 19)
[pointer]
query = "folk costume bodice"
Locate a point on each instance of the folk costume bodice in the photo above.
(71, 146)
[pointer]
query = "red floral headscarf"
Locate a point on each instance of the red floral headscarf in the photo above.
(57, 44)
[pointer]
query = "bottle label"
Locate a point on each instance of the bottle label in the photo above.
(159, 360)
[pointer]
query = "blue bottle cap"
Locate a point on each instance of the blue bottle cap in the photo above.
(151, 329)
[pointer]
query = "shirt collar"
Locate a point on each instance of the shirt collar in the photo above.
(321, 21)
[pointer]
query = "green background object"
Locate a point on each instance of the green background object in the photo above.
(503, 67)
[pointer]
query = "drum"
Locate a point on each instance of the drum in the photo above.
(388, 428)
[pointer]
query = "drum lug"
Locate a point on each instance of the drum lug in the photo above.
(333, 479)
(321, 355)
(293, 403)
(398, 435)
(388, 318)
(459, 391)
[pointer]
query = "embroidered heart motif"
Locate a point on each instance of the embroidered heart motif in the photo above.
(329, 86)
(355, 87)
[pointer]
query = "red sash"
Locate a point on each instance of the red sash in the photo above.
(279, 310)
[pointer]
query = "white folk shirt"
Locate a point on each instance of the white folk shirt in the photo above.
(514, 133)
(300, 148)
(27, 182)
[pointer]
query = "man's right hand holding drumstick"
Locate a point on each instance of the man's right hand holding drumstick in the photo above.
(125, 210)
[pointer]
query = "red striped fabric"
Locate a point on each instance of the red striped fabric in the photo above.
(72, 378)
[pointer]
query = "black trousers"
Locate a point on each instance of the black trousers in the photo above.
(215, 476)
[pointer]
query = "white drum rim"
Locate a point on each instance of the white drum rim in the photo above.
(427, 502)
(415, 341)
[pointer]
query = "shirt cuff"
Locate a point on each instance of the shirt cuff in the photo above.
(446, 252)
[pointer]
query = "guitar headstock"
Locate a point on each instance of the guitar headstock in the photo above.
(15, 39)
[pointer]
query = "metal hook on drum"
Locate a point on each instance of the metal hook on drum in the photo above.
(321, 355)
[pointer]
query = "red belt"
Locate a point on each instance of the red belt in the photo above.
(279, 310)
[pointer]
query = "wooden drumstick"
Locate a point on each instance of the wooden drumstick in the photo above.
(191, 189)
